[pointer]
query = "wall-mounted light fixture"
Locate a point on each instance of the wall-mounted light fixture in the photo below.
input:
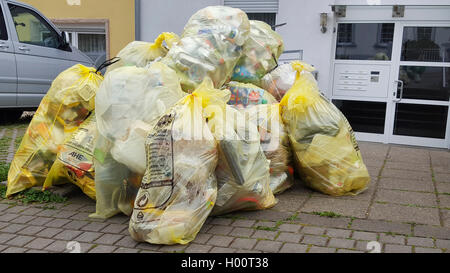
(323, 22)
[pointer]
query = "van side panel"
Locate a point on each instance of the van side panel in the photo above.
(8, 70)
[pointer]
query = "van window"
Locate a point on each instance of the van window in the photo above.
(33, 29)
(3, 34)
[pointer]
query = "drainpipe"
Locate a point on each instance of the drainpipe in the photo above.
(137, 20)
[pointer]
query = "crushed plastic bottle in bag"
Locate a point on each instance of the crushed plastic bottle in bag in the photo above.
(279, 81)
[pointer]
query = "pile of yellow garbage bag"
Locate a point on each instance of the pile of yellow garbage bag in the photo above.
(186, 127)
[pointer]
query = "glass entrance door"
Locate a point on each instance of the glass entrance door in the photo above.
(420, 101)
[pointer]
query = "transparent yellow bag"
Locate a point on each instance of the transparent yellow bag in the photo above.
(243, 177)
(127, 102)
(246, 94)
(210, 46)
(179, 188)
(324, 146)
(279, 81)
(66, 105)
(261, 52)
(74, 162)
(140, 54)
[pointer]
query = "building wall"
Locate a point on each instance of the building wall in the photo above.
(120, 13)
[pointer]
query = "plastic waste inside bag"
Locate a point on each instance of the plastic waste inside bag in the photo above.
(274, 143)
(140, 54)
(260, 54)
(279, 81)
(74, 162)
(66, 105)
(243, 177)
(210, 46)
(127, 102)
(244, 95)
(324, 145)
(179, 187)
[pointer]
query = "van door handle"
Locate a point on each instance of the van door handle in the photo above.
(24, 48)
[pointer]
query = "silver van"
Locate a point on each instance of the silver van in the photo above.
(32, 53)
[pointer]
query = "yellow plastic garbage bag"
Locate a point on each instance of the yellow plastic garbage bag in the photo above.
(140, 54)
(246, 94)
(243, 172)
(279, 81)
(324, 146)
(275, 144)
(74, 162)
(66, 105)
(210, 46)
(179, 187)
(261, 52)
(127, 102)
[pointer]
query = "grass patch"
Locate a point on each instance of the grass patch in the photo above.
(292, 217)
(17, 142)
(4, 168)
(329, 214)
(34, 196)
(266, 228)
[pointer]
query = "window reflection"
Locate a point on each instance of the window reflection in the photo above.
(364, 41)
(426, 44)
(364, 116)
(425, 83)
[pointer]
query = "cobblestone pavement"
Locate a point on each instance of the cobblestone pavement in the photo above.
(405, 209)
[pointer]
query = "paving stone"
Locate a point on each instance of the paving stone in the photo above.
(30, 230)
(348, 251)
(8, 217)
(31, 211)
(126, 250)
(248, 251)
(338, 233)
(362, 246)
(442, 177)
(57, 246)
(108, 239)
(406, 174)
(127, 241)
(20, 240)
(39, 243)
(14, 250)
(264, 234)
(197, 248)
(430, 231)
(221, 221)
(88, 208)
(407, 166)
(444, 201)
(118, 219)
(82, 216)
(75, 224)
(49, 232)
(267, 214)
(407, 154)
(102, 249)
(313, 230)
(392, 239)
(47, 213)
(287, 203)
(16, 209)
(381, 226)
(95, 226)
(220, 230)
(316, 220)
(443, 187)
(40, 221)
(265, 224)
(5, 237)
(3, 207)
(366, 236)
(73, 207)
(318, 249)
(339, 206)
(289, 227)
(88, 236)
(3, 224)
(242, 232)
(68, 235)
(218, 240)
(147, 246)
(427, 250)
(289, 237)
(57, 223)
(222, 250)
(243, 243)
(406, 184)
(397, 249)
(64, 214)
(443, 243)
(13, 228)
(315, 240)
(293, 248)
(23, 219)
(243, 223)
(406, 197)
(202, 238)
(205, 228)
(35, 251)
(114, 228)
(341, 243)
(418, 241)
(268, 246)
(401, 213)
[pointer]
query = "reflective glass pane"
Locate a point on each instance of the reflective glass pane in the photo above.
(420, 120)
(364, 41)
(364, 116)
(93, 45)
(425, 83)
(427, 44)
(3, 34)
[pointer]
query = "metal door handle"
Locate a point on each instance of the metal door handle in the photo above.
(401, 90)
(24, 48)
